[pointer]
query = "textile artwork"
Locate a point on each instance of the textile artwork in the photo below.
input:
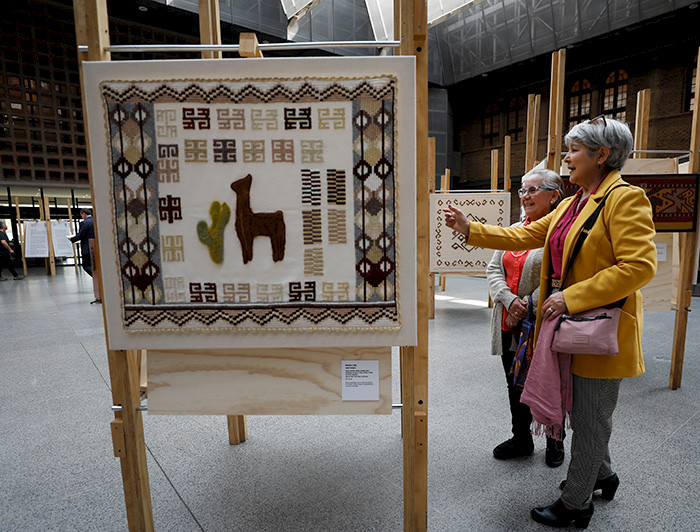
(255, 204)
(450, 252)
(674, 199)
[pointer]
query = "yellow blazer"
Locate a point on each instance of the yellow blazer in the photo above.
(616, 260)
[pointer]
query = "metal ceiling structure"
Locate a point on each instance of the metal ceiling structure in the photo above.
(466, 38)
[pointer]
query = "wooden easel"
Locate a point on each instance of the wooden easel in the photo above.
(556, 110)
(533, 128)
(127, 428)
(45, 214)
(21, 235)
(75, 254)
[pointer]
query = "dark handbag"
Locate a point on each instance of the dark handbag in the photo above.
(523, 353)
(592, 332)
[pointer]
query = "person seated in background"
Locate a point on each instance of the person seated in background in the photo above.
(513, 276)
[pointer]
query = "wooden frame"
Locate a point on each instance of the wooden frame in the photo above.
(91, 22)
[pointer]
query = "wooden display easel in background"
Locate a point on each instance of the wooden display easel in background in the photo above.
(21, 236)
(91, 21)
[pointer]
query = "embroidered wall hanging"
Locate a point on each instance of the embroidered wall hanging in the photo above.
(674, 199)
(237, 198)
(449, 250)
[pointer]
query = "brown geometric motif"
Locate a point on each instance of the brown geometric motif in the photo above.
(168, 163)
(336, 291)
(307, 293)
(297, 118)
(224, 150)
(236, 293)
(313, 261)
(251, 94)
(310, 187)
(336, 187)
(230, 118)
(195, 151)
(282, 151)
(337, 227)
(269, 293)
(203, 294)
(174, 289)
(253, 151)
(263, 119)
(173, 248)
(166, 120)
(288, 316)
(312, 229)
(170, 208)
(196, 118)
(331, 118)
(311, 151)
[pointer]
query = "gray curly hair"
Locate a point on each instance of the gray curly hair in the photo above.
(608, 132)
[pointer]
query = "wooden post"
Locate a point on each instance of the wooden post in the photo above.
(51, 261)
(533, 128)
(92, 29)
(21, 235)
(688, 242)
(641, 123)
(506, 164)
(209, 27)
(413, 19)
(431, 190)
(248, 43)
(70, 221)
(556, 111)
(494, 170)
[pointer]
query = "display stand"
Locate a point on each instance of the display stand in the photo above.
(556, 110)
(45, 215)
(127, 427)
(431, 190)
(533, 128)
(75, 253)
(21, 235)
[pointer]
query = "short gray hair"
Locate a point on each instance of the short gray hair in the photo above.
(606, 132)
(550, 179)
(3, 225)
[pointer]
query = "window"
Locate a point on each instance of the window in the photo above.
(490, 125)
(516, 117)
(615, 95)
(579, 102)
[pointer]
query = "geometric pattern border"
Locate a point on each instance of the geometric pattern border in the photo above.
(673, 197)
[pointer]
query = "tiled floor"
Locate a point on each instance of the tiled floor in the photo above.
(314, 473)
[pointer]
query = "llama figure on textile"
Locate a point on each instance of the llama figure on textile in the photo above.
(250, 224)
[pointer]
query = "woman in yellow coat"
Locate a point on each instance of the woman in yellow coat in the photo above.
(617, 258)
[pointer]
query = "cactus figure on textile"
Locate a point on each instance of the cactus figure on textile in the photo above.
(213, 236)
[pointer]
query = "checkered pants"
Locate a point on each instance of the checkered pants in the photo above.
(594, 402)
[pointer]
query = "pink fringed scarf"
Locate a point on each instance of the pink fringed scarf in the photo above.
(548, 388)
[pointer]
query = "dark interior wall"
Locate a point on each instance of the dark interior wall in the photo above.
(658, 55)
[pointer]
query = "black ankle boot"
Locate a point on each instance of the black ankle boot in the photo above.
(607, 485)
(558, 515)
(554, 455)
(514, 448)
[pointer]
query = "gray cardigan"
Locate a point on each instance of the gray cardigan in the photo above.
(502, 296)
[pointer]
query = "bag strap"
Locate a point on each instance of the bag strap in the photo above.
(587, 226)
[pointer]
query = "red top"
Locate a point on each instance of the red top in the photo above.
(513, 262)
(556, 240)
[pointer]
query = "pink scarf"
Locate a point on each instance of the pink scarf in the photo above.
(548, 388)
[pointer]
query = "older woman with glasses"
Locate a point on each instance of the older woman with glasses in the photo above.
(617, 258)
(514, 277)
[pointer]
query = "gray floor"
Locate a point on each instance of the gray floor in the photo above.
(314, 473)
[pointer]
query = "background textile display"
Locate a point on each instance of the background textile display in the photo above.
(273, 207)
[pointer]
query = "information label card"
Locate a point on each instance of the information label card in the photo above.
(360, 380)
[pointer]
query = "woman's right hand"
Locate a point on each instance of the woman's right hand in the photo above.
(456, 220)
(518, 308)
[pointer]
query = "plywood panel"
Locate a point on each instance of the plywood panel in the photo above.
(657, 294)
(260, 381)
(643, 166)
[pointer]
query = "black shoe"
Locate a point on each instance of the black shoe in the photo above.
(607, 485)
(558, 515)
(514, 448)
(554, 455)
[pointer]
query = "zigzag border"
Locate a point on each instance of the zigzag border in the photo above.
(248, 93)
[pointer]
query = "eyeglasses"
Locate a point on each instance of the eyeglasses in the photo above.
(532, 190)
(599, 117)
